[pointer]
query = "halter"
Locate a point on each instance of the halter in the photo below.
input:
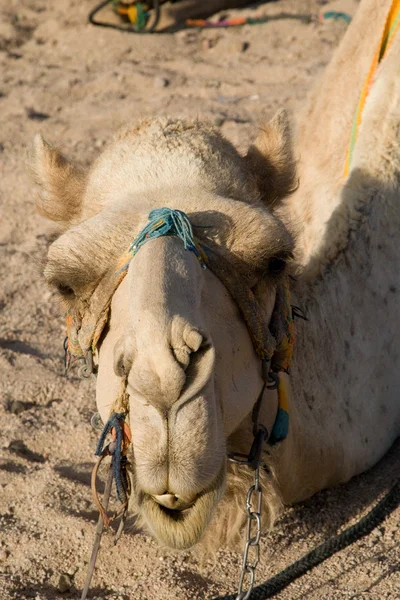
(273, 343)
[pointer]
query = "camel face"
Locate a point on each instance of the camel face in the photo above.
(175, 335)
(192, 376)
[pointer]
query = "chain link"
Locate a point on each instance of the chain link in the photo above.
(253, 535)
(251, 554)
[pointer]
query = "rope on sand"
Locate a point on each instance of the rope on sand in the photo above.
(237, 21)
(327, 549)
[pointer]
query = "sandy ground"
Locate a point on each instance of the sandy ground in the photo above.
(76, 84)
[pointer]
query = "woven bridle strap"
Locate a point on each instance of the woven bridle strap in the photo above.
(84, 332)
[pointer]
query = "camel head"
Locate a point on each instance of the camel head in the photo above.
(173, 334)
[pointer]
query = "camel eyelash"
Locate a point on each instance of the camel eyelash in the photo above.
(276, 265)
(65, 290)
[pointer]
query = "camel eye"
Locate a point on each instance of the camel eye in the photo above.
(276, 265)
(65, 290)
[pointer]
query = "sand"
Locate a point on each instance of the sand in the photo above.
(76, 84)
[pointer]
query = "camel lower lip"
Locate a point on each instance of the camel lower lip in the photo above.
(175, 514)
(181, 529)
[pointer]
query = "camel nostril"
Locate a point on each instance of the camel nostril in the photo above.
(193, 339)
(172, 502)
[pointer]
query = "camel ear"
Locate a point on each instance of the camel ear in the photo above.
(271, 159)
(61, 184)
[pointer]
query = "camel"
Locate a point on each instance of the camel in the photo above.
(173, 334)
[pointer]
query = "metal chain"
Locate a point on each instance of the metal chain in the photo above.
(253, 535)
(251, 554)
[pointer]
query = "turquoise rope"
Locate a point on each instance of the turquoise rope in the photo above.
(165, 221)
(333, 14)
(280, 429)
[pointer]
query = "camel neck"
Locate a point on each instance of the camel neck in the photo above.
(324, 133)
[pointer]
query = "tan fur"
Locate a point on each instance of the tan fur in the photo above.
(190, 404)
(323, 135)
(272, 160)
(61, 184)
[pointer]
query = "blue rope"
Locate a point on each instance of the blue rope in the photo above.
(166, 221)
(114, 421)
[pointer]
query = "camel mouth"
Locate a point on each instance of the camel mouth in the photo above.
(175, 513)
(172, 513)
(182, 529)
